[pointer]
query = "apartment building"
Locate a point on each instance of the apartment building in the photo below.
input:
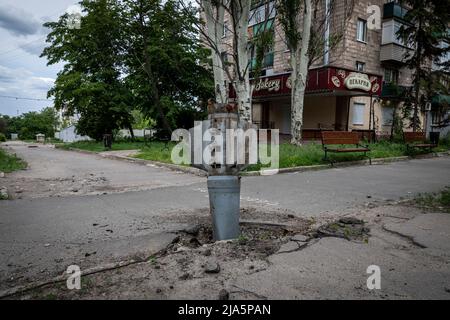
(348, 87)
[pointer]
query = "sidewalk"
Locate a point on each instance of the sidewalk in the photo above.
(320, 268)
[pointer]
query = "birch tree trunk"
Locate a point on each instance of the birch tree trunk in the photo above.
(241, 10)
(214, 18)
(299, 63)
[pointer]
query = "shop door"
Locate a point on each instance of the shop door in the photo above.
(286, 119)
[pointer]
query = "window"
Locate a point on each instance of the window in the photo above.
(225, 30)
(256, 30)
(224, 56)
(360, 66)
(261, 13)
(388, 115)
(361, 30)
(358, 113)
(390, 76)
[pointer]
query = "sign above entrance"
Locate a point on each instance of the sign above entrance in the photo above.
(322, 80)
(358, 81)
(337, 79)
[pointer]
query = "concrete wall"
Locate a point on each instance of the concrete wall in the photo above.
(125, 133)
(69, 134)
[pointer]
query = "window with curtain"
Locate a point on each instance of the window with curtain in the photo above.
(358, 113)
(388, 115)
(361, 30)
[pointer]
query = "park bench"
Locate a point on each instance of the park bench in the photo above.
(417, 140)
(343, 139)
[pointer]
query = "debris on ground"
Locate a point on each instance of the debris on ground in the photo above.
(224, 295)
(347, 228)
(4, 193)
(212, 267)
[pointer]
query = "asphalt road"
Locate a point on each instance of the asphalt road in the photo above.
(132, 209)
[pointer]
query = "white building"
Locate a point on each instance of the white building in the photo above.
(70, 134)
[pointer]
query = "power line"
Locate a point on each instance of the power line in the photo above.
(23, 98)
(23, 45)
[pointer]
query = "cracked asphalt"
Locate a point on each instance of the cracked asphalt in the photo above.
(84, 209)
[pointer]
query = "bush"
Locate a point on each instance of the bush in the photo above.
(2, 137)
(445, 141)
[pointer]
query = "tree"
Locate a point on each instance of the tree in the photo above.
(90, 83)
(3, 124)
(305, 24)
(166, 66)
(237, 71)
(425, 30)
(29, 124)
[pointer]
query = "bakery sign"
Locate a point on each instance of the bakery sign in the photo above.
(358, 81)
(320, 80)
(268, 84)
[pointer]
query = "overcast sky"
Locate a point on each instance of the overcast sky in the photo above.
(22, 72)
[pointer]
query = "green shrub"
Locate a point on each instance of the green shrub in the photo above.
(2, 137)
(445, 141)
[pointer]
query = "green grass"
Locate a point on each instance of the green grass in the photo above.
(290, 155)
(312, 154)
(97, 146)
(155, 150)
(435, 201)
(10, 163)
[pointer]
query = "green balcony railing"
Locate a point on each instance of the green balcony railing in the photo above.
(392, 91)
(394, 10)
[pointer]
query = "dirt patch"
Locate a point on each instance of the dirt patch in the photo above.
(192, 266)
(347, 228)
(258, 240)
(24, 187)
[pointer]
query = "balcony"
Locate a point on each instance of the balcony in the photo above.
(394, 92)
(393, 47)
(393, 10)
(393, 53)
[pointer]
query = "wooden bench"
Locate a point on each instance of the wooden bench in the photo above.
(417, 140)
(343, 138)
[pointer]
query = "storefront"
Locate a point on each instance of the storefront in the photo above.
(336, 99)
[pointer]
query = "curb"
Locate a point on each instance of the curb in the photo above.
(173, 167)
(376, 161)
(198, 172)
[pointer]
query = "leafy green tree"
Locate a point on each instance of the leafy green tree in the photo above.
(43, 122)
(425, 30)
(3, 123)
(91, 84)
(140, 121)
(165, 63)
(31, 123)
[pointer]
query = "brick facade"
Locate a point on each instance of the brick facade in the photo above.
(344, 55)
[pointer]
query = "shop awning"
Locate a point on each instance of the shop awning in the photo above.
(326, 80)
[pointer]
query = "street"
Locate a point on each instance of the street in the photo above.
(82, 209)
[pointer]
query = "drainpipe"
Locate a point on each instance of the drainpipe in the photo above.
(326, 56)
